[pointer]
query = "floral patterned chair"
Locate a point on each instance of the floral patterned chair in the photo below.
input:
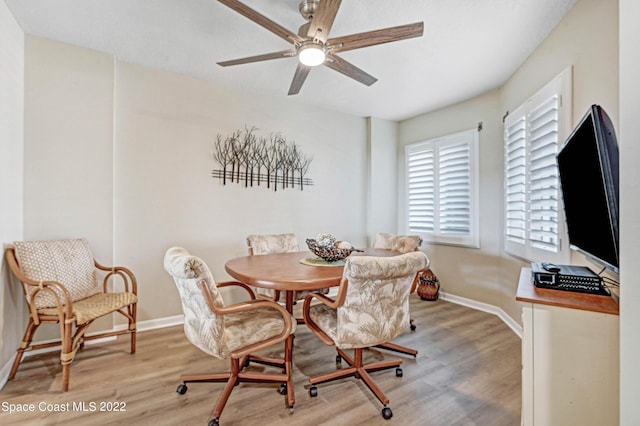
(276, 243)
(372, 307)
(399, 243)
(402, 244)
(232, 332)
(61, 286)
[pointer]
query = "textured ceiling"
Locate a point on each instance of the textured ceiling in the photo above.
(468, 47)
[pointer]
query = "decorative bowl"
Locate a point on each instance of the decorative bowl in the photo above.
(330, 254)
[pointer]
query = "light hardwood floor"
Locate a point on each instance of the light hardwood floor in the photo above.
(468, 372)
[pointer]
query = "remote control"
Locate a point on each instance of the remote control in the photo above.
(550, 267)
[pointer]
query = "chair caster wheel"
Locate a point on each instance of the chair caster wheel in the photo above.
(387, 413)
(413, 327)
(214, 422)
(338, 359)
(182, 389)
(398, 372)
(292, 409)
(313, 391)
(282, 389)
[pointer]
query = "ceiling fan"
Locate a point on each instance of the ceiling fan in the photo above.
(312, 44)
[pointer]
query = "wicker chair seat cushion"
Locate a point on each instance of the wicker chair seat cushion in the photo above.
(68, 262)
(246, 328)
(95, 306)
(400, 243)
(376, 308)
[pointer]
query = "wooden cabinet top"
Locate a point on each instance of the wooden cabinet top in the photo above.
(527, 292)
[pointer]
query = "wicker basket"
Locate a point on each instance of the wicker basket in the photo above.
(329, 254)
(428, 285)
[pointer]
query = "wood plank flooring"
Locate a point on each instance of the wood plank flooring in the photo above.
(468, 372)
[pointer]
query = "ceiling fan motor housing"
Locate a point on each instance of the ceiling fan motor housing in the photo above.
(307, 8)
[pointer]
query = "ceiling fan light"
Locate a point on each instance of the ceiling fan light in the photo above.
(311, 54)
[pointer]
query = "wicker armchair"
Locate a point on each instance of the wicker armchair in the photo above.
(60, 284)
(372, 307)
(232, 332)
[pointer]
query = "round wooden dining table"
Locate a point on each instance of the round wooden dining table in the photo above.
(285, 272)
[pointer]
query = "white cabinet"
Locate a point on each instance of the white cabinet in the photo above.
(570, 357)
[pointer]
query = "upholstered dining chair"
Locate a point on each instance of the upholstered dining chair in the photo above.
(401, 244)
(61, 285)
(372, 307)
(227, 332)
(274, 243)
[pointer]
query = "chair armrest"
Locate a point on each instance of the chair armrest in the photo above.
(289, 325)
(252, 295)
(128, 278)
(331, 303)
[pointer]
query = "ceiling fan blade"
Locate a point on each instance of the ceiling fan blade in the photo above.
(371, 38)
(262, 20)
(338, 64)
(258, 58)
(323, 18)
(302, 71)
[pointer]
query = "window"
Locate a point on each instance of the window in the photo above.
(442, 189)
(532, 135)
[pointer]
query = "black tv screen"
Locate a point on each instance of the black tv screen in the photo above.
(589, 181)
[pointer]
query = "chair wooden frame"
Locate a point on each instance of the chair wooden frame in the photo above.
(70, 341)
(240, 358)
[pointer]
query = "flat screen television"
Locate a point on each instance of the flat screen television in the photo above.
(589, 181)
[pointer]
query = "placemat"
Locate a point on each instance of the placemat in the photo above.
(317, 261)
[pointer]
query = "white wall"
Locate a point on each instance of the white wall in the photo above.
(629, 136)
(68, 175)
(382, 177)
(11, 166)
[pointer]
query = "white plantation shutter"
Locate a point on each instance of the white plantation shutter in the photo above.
(516, 180)
(543, 176)
(442, 189)
(421, 190)
(533, 212)
(454, 182)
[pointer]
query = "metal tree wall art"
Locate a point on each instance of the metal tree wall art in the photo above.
(248, 159)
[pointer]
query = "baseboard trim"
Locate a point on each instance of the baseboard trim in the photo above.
(155, 323)
(484, 307)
